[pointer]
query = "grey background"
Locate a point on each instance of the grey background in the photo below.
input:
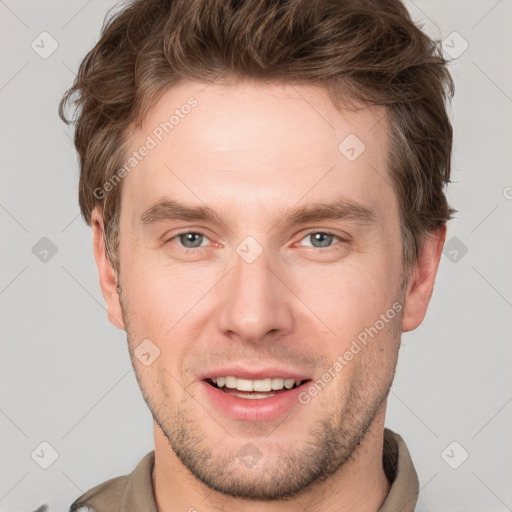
(65, 371)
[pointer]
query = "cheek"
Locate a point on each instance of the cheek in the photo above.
(149, 286)
(166, 303)
(368, 359)
(348, 298)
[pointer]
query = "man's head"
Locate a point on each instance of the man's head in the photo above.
(368, 51)
(265, 181)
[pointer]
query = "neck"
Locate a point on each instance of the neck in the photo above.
(360, 484)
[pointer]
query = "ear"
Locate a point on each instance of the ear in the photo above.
(421, 279)
(107, 274)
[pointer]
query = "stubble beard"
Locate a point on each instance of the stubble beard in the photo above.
(283, 472)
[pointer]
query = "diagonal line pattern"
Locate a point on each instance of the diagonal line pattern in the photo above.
(414, 414)
(118, 322)
(486, 14)
(492, 81)
(423, 12)
(5, 495)
(84, 288)
(501, 408)
(14, 423)
(13, 13)
(13, 279)
(109, 390)
(423, 487)
(380, 176)
(212, 81)
(14, 76)
(96, 507)
(69, 68)
(507, 507)
(72, 481)
(69, 223)
(405, 505)
(378, 122)
(76, 14)
(14, 218)
(485, 218)
(492, 286)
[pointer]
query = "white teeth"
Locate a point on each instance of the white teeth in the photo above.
(262, 385)
(288, 383)
(230, 382)
(258, 385)
(277, 383)
(244, 385)
(254, 396)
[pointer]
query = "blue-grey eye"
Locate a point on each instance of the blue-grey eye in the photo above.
(194, 239)
(320, 239)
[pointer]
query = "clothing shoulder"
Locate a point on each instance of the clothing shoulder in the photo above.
(113, 489)
(401, 474)
(121, 493)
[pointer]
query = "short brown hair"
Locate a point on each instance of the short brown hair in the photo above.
(367, 51)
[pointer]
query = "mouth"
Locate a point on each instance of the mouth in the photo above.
(255, 400)
(256, 389)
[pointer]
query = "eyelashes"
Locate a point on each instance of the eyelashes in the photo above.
(199, 237)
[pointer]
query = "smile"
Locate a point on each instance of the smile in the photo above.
(254, 389)
(261, 399)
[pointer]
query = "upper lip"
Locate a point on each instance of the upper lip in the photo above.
(254, 374)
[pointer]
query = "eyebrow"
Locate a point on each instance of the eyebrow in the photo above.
(340, 209)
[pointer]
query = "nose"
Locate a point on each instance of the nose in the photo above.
(255, 305)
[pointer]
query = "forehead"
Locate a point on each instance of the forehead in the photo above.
(267, 142)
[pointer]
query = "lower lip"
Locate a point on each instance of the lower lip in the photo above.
(246, 409)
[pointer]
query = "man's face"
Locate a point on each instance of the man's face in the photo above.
(259, 292)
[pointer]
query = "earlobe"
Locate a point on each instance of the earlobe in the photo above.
(421, 280)
(106, 272)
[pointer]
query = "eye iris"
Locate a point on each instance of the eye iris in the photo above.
(323, 238)
(191, 237)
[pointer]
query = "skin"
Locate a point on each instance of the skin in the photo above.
(252, 152)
